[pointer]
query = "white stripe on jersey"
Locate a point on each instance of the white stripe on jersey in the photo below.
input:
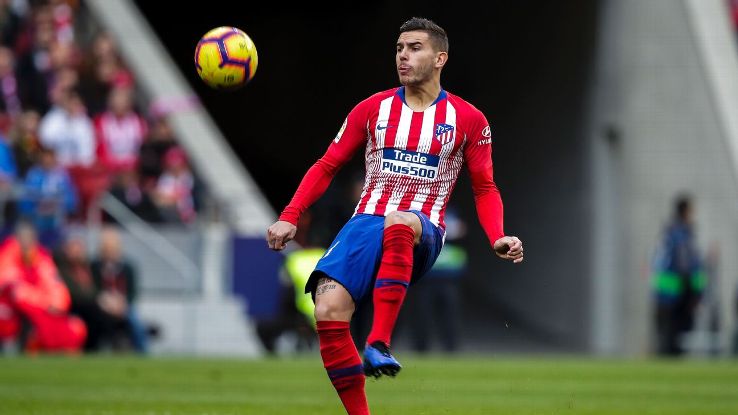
(449, 170)
(426, 131)
(383, 117)
(403, 130)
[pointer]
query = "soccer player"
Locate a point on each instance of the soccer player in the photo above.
(416, 139)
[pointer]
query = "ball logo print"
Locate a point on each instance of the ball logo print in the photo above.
(226, 58)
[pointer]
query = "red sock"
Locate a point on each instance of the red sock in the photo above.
(393, 278)
(342, 362)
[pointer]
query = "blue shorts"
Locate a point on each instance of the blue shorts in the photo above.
(354, 256)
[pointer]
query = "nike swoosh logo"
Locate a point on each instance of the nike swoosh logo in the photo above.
(384, 127)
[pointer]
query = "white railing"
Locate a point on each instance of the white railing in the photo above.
(185, 269)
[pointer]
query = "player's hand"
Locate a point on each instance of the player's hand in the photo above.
(509, 247)
(279, 234)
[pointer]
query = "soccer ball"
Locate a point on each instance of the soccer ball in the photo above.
(225, 58)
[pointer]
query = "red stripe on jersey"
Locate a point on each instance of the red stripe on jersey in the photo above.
(408, 197)
(416, 124)
(372, 133)
(440, 118)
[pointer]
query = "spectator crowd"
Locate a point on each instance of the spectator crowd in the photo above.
(74, 127)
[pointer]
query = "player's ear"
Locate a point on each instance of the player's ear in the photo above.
(441, 58)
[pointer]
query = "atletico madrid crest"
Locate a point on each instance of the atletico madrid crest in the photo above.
(444, 133)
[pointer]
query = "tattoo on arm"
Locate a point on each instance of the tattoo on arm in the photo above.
(325, 284)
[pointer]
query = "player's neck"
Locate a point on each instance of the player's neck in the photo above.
(420, 97)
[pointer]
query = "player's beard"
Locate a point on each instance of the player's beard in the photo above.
(418, 75)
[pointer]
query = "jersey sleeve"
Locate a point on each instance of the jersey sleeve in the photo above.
(352, 135)
(478, 157)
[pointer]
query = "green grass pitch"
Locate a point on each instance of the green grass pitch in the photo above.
(463, 385)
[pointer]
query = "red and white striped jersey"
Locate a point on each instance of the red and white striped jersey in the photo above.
(412, 159)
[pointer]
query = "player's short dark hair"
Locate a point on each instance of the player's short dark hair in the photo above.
(438, 36)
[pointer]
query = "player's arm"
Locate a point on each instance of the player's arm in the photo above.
(478, 156)
(352, 135)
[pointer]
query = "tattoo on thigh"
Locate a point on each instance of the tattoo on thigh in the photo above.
(325, 284)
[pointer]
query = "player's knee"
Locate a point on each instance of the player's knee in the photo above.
(333, 310)
(401, 218)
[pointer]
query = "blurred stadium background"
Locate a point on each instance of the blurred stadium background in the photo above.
(602, 112)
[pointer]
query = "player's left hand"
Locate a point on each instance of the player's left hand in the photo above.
(509, 247)
(279, 234)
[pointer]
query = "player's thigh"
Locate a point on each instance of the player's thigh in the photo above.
(405, 218)
(332, 301)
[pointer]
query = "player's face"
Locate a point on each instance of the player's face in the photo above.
(415, 58)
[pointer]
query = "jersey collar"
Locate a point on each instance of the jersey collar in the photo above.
(401, 93)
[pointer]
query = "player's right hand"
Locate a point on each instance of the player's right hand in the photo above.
(509, 247)
(279, 234)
